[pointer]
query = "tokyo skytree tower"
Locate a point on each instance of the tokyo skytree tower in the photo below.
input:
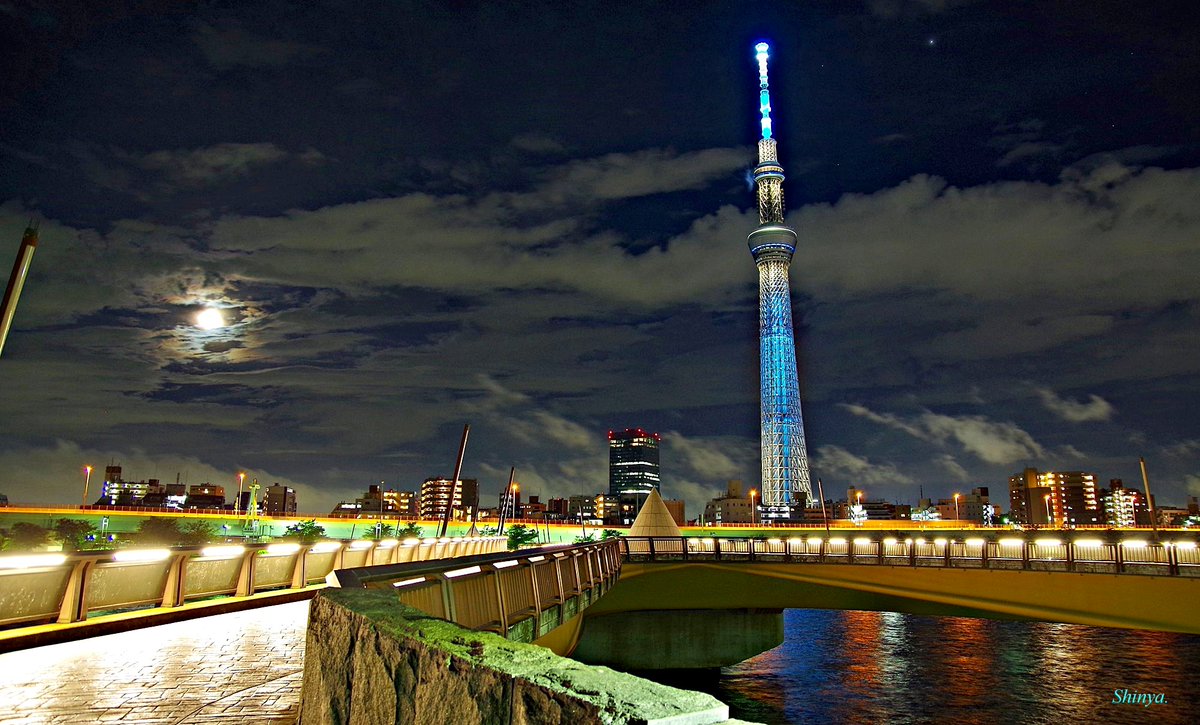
(784, 458)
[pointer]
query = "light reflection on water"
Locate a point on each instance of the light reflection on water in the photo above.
(877, 667)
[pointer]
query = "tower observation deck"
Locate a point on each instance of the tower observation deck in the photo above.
(784, 456)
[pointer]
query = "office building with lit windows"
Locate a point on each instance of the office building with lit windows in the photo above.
(632, 462)
(435, 496)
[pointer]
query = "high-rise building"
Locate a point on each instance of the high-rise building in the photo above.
(1054, 498)
(784, 456)
(435, 496)
(1124, 507)
(632, 462)
(279, 500)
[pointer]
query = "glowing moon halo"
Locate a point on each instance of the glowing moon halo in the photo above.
(210, 318)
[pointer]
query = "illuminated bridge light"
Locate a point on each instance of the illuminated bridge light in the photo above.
(141, 555)
(504, 564)
(360, 545)
(388, 543)
(409, 582)
(1187, 545)
(1047, 542)
(1134, 544)
(889, 541)
(920, 542)
(709, 542)
(463, 572)
(282, 549)
(222, 552)
(815, 540)
(863, 541)
(975, 542)
(1011, 542)
(774, 542)
(32, 561)
(325, 547)
(1089, 543)
(838, 541)
(940, 542)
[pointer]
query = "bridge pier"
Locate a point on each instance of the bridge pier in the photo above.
(678, 639)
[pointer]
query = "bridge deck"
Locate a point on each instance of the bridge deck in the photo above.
(239, 667)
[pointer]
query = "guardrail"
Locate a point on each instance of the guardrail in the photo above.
(520, 595)
(45, 588)
(1131, 556)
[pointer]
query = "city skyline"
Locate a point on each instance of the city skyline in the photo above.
(533, 220)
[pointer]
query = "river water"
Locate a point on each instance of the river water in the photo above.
(882, 667)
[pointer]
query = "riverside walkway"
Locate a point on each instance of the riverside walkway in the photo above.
(241, 667)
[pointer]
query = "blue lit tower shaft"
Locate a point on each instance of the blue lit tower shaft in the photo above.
(784, 457)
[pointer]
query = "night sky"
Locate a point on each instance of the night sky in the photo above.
(532, 216)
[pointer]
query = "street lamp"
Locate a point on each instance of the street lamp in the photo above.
(956, 516)
(1049, 516)
(753, 510)
(87, 478)
(237, 504)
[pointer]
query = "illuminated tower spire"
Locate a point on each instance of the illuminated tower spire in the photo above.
(784, 457)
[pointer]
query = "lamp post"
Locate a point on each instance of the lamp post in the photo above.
(1049, 516)
(957, 517)
(237, 504)
(753, 509)
(87, 478)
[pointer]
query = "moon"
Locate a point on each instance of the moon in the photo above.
(210, 318)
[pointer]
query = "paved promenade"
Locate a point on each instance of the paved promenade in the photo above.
(242, 667)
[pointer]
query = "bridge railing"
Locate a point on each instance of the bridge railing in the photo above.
(520, 595)
(1179, 557)
(47, 587)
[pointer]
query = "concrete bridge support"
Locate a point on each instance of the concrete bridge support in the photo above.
(679, 638)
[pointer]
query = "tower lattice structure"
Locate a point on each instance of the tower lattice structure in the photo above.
(784, 456)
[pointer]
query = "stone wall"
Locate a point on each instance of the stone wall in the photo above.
(371, 660)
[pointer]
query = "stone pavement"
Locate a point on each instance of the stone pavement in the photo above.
(242, 667)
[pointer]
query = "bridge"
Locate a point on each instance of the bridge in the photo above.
(594, 600)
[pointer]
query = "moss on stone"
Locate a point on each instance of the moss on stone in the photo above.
(625, 697)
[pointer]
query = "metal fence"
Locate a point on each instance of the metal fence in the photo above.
(45, 588)
(520, 595)
(1129, 556)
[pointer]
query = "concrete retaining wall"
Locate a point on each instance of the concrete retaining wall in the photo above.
(371, 660)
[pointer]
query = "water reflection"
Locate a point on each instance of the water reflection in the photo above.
(850, 667)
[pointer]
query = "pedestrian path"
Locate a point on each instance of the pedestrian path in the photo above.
(241, 667)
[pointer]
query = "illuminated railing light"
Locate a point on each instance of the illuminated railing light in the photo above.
(424, 542)
(32, 561)
(920, 541)
(222, 552)
(504, 564)
(1089, 543)
(325, 547)
(709, 542)
(863, 541)
(815, 540)
(890, 541)
(774, 542)
(940, 541)
(539, 557)
(409, 582)
(908, 542)
(282, 549)
(975, 542)
(838, 541)
(1135, 544)
(1011, 542)
(455, 573)
(1047, 542)
(693, 541)
(388, 543)
(411, 541)
(445, 540)
(360, 545)
(1187, 545)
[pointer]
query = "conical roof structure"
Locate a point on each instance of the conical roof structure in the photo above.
(654, 519)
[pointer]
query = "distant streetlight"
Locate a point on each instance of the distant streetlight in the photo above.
(87, 478)
(956, 516)
(753, 510)
(237, 504)
(1049, 516)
